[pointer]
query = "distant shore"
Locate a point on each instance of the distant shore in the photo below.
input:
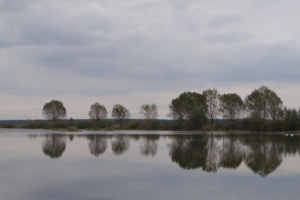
(242, 125)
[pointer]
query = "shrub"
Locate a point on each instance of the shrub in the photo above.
(60, 124)
(244, 124)
(291, 119)
(149, 125)
(165, 127)
(230, 126)
(256, 122)
(133, 125)
(277, 125)
(8, 125)
(219, 126)
(176, 125)
(72, 128)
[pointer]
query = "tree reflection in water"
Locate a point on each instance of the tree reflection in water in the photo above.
(263, 154)
(149, 145)
(213, 155)
(97, 144)
(232, 153)
(263, 157)
(188, 152)
(54, 145)
(120, 144)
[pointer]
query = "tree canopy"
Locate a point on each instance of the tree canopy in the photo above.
(266, 102)
(149, 111)
(183, 106)
(120, 112)
(212, 96)
(54, 110)
(231, 106)
(97, 112)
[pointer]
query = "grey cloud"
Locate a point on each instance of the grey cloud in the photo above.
(119, 47)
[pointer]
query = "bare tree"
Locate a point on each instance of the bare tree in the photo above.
(149, 111)
(97, 112)
(212, 100)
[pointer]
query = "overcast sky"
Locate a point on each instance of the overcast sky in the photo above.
(143, 51)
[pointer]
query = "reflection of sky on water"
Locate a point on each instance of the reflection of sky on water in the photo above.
(27, 173)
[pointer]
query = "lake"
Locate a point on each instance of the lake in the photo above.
(49, 165)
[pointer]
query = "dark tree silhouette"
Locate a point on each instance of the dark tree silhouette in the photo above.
(54, 110)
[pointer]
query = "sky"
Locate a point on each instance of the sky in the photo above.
(143, 51)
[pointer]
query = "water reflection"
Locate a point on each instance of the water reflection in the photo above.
(188, 152)
(97, 144)
(120, 144)
(232, 155)
(262, 154)
(54, 145)
(263, 157)
(149, 145)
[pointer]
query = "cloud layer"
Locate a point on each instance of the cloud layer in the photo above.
(134, 52)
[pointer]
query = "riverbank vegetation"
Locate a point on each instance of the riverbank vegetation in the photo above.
(262, 110)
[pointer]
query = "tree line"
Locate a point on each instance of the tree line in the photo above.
(55, 110)
(261, 110)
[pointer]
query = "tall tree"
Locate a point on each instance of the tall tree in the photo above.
(149, 112)
(54, 110)
(274, 105)
(212, 100)
(231, 106)
(183, 106)
(292, 121)
(264, 101)
(97, 112)
(120, 113)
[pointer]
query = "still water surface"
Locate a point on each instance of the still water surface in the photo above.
(39, 165)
